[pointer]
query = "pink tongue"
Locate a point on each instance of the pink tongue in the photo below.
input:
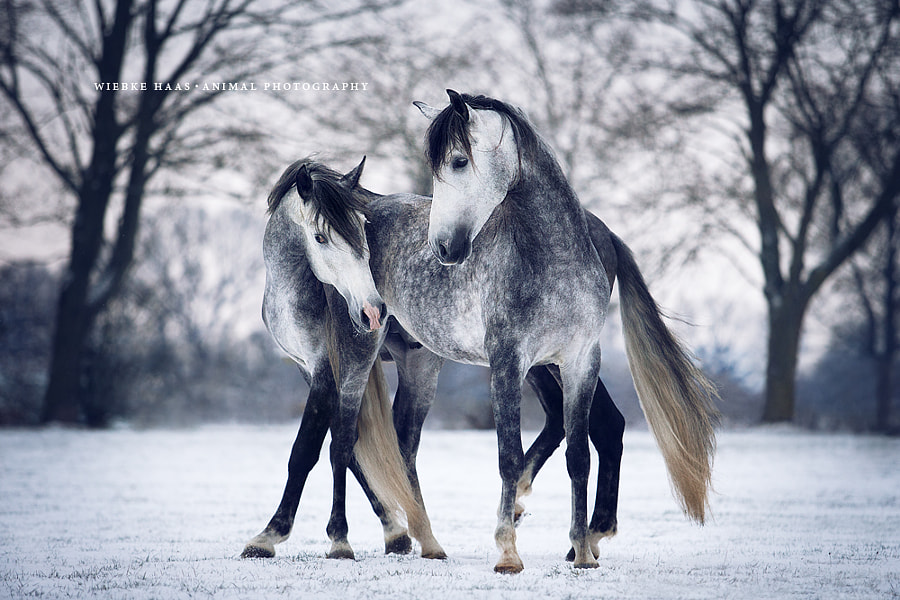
(374, 316)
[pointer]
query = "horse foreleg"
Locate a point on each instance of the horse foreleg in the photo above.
(304, 455)
(506, 395)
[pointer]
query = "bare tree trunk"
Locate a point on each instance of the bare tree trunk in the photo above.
(785, 323)
(884, 388)
(884, 393)
(74, 315)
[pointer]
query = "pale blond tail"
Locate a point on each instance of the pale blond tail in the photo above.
(677, 399)
(378, 453)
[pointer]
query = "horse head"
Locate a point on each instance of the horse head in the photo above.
(331, 217)
(475, 162)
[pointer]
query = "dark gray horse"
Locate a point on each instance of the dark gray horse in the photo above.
(523, 285)
(317, 233)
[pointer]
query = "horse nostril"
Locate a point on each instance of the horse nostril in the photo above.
(383, 312)
(443, 250)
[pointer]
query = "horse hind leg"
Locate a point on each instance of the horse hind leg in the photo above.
(418, 371)
(607, 425)
(579, 385)
(606, 428)
(396, 535)
(545, 385)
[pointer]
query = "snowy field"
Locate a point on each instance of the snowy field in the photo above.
(165, 514)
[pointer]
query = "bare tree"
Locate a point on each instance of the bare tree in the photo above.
(561, 71)
(203, 353)
(107, 95)
(874, 279)
(816, 84)
(409, 63)
(886, 355)
(571, 64)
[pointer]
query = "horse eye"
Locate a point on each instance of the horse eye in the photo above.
(459, 162)
(319, 237)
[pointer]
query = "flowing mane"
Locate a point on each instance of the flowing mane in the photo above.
(449, 129)
(336, 207)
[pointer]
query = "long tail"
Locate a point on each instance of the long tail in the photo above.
(378, 453)
(677, 399)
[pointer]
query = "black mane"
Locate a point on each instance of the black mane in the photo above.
(449, 129)
(336, 207)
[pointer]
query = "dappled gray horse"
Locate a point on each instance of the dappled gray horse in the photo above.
(523, 285)
(328, 338)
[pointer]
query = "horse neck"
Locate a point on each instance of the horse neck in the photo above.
(369, 195)
(283, 252)
(544, 202)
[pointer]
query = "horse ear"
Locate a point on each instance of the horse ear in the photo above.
(458, 104)
(352, 178)
(430, 112)
(304, 181)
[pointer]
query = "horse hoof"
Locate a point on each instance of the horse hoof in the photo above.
(253, 551)
(589, 564)
(509, 563)
(510, 569)
(399, 545)
(595, 550)
(438, 554)
(341, 551)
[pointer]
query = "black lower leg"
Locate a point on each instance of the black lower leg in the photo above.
(304, 455)
(549, 393)
(607, 426)
(397, 544)
(343, 438)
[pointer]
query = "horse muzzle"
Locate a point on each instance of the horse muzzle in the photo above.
(372, 318)
(453, 248)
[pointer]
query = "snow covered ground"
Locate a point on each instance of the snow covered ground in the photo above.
(165, 514)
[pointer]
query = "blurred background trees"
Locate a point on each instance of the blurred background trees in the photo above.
(106, 96)
(703, 132)
(817, 84)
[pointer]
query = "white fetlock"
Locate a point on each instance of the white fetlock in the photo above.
(341, 550)
(584, 557)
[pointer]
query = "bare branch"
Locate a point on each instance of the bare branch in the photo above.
(884, 204)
